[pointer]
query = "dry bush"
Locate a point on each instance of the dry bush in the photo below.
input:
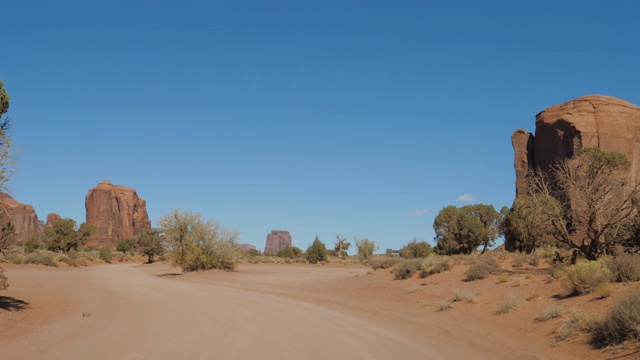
(446, 305)
(14, 258)
(605, 290)
(533, 260)
(4, 281)
(406, 269)
(384, 262)
(584, 277)
(435, 264)
(557, 271)
(463, 295)
(622, 323)
(518, 260)
(549, 312)
(483, 267)
(62, 258)
(625, 267)
(510, 303)
(41, 258)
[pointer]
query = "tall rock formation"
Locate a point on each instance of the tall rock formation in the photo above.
(117, 213)
(276, 241)
(23, 217)
(51, 217)
(562, 130)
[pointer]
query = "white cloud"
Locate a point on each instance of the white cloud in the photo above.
(417, 212)
(466, 198)
(295, 228)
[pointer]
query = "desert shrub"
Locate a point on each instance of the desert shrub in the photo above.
(518, 260)
(14, 258)
(622, 323)
(605, 290)
(125, 245)
(584, 277)
(435, 264)
(384, 262)
(446, 305)
(557, 271)
(416, 250)
(316, 252)
(105, 255)
(549, 312)
(534, 260)
(31, 244)
(625, 267)
(483, 267)
(463, 295)
(62, 258)
(290, 252)
(510, 303)
(253, 252)
(4, 280)
(41, 258)
(406, 269)
(365, 249)
(388, 252)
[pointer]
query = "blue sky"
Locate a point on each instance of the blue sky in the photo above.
(360, 118)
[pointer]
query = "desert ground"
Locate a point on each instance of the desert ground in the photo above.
(278, 311)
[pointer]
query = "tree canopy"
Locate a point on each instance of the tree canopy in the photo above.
(463, 230)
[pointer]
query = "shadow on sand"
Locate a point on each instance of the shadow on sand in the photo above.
(8, 303)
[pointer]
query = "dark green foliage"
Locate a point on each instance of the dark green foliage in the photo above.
(406, 269)
(463, 230)
(625, 267)
(525, 228)
(316, 252)
(149, 244)
(416, 250)
(7, 237)
(253, 252)
(290, 252)
(622, 323)
(32, 244)
(125, 245)
(4, 99)
(63, 236)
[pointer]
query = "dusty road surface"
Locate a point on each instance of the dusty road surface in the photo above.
(259, 312)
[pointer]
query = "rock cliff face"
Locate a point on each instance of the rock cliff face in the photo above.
(276, 241)
(590, 121)
(117, 213)
(23, 217)
(51, 217)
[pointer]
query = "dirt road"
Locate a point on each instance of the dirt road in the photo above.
(140, 312)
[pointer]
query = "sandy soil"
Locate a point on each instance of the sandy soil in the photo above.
(269, 311)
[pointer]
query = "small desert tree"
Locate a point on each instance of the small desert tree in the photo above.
(7, 160)
(366, 248)
(63, 235)
(525, 228)
(416, 250)
(317, 251)
(463, 230)
(196, 244)
(593, 197)
(149, 244)
(341, 246)
(7, 239)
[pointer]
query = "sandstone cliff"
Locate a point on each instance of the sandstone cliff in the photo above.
(590, 121)
(23, 217)
(117, 213)
(276, 241)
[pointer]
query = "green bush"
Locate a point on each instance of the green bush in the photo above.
(316, 252)
(483, 267)
(290, 252)
(41, 258)
(625, 267)
(125, 245)
(435, 264)
(406, 269)
(365, 248)
(384, 262)
(32, 244)
(416, 250)
(622, 323)
(584, 277)
(105, 255)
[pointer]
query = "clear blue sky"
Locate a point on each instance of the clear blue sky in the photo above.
(321, 117)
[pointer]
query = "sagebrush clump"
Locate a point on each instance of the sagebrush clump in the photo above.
(384, 262)
(585, 277)
(625, 267)
(435, 264)
(622, 323)
(481, 268)
(406, 269)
